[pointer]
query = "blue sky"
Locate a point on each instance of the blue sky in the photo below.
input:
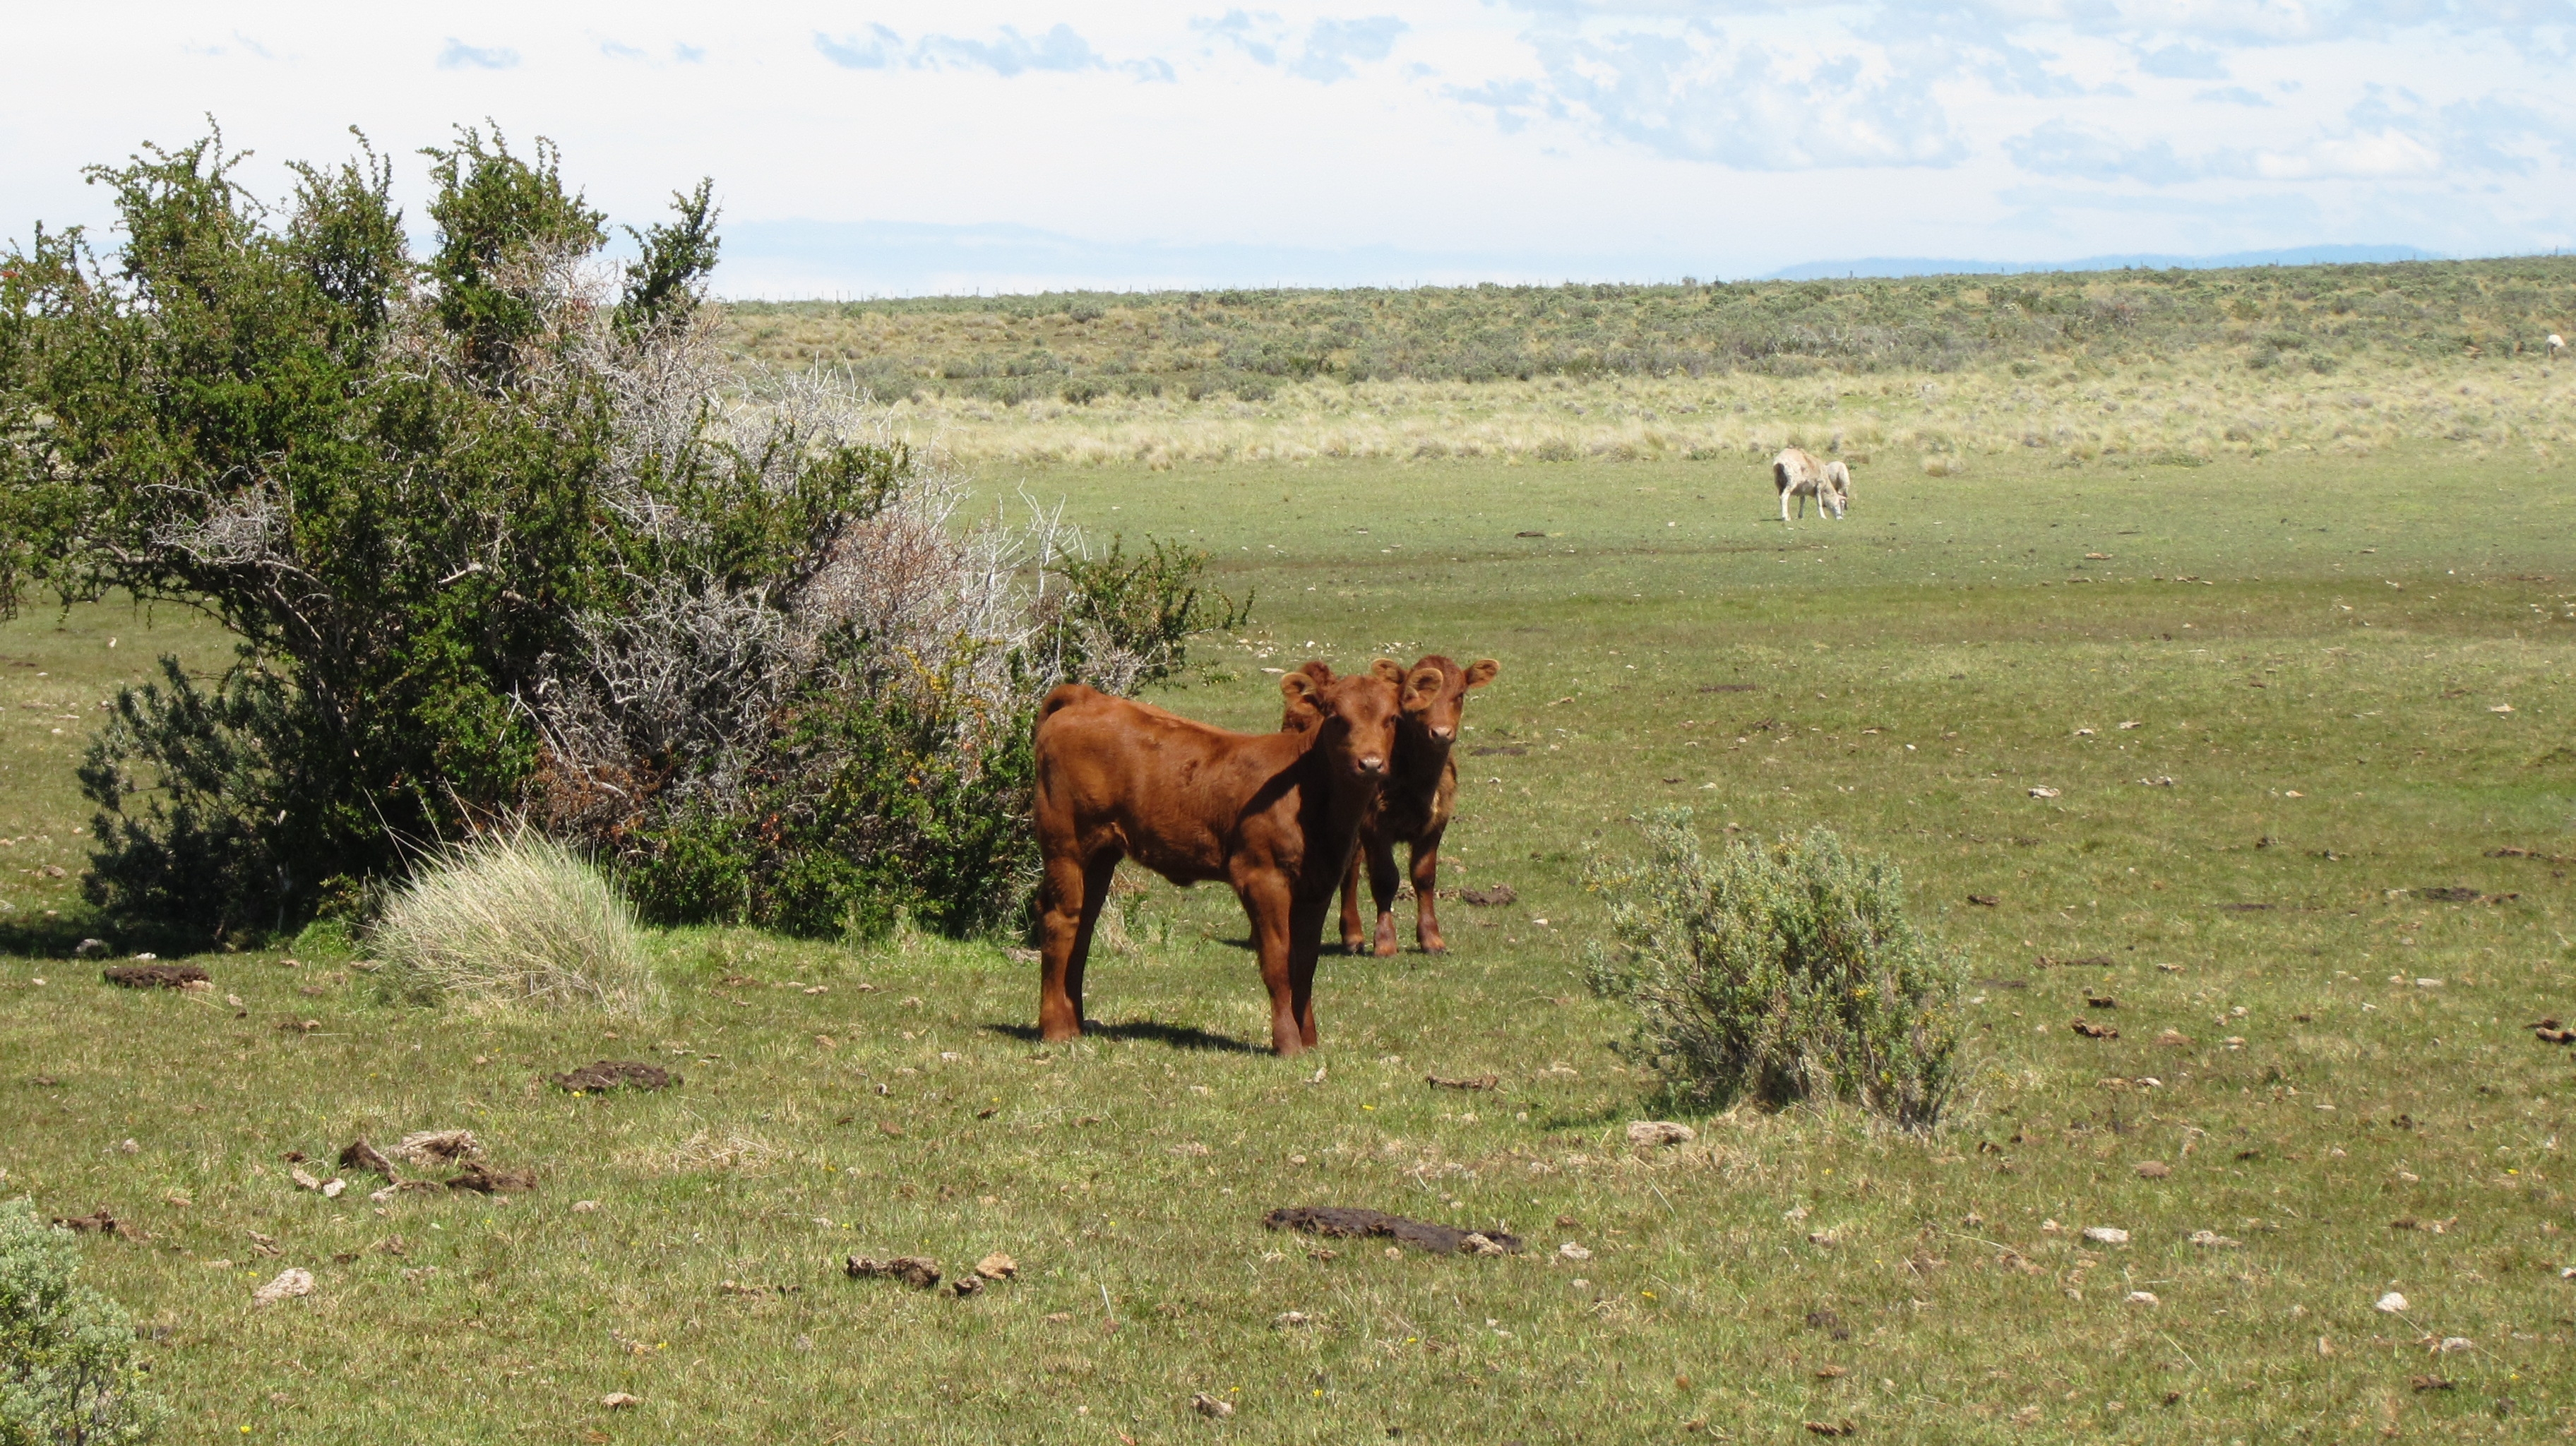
(907, 148)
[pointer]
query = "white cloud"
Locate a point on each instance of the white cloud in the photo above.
(460, 56)
(1327, 50)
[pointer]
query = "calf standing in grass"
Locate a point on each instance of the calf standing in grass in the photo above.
(1420, 795)
(1797, 473)
(1274, 815)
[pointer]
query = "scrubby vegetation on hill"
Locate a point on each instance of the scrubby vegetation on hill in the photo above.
(1078, 346)
(2125, 368)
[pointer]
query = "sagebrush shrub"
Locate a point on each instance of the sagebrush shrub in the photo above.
(515, 919)
(68, 1372)
(1779, 972)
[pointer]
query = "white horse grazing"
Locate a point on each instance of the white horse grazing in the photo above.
(1798, 474)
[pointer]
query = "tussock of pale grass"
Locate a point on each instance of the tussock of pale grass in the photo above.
(705, 1150)
(516, 920)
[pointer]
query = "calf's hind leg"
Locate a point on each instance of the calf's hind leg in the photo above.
(1074, 893)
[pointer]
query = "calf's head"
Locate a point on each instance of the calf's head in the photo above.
(1435, 693)
(1353, 718)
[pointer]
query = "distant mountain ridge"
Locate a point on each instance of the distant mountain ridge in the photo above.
(1892, 267)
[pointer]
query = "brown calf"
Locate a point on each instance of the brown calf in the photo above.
(1274, 815)
(1421, 793)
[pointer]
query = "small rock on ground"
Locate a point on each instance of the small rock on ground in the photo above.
(289, 1283)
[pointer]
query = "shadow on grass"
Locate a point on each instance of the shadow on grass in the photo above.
(1177, 1036)
(43, 938)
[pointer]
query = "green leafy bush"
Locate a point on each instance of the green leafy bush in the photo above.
(1128, 620)
(1778, 973)
(862, 808)
(515, 919)
(503, 534)
(68, 1372)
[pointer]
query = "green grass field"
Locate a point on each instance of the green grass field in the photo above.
(2317, 654)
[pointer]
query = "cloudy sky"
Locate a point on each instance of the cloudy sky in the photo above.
(907, 148)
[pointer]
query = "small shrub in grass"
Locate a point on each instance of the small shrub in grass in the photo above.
(68, 1375)
(515, 919)
(1779, 972)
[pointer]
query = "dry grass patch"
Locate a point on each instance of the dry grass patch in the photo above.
(513, 920)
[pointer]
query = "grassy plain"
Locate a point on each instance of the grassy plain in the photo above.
(2315, 651)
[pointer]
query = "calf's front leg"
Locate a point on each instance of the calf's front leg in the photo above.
(1381, 865)
(1267, 903)
(1426, 886)
(1354, 937)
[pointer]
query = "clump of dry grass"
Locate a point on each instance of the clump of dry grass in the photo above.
(512, 920)
(707, 1150)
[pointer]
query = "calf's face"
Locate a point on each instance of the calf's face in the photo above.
(1354, 718)
(1435, 693)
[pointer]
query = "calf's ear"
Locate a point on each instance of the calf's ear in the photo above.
(1424, 683)
(1389, 669)
(1318, 669)
(1482, 671)
(1299, 685)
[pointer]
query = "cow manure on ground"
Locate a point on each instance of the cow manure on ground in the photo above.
(427, 1148)
(485, 1181)
(1349, 1222)
(1498, 895)
(100, 1221)
(1478, 1082)
(359, 1155)
(616, 1074)
(155, 976)
(918, 1271)
(1830, 1323)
